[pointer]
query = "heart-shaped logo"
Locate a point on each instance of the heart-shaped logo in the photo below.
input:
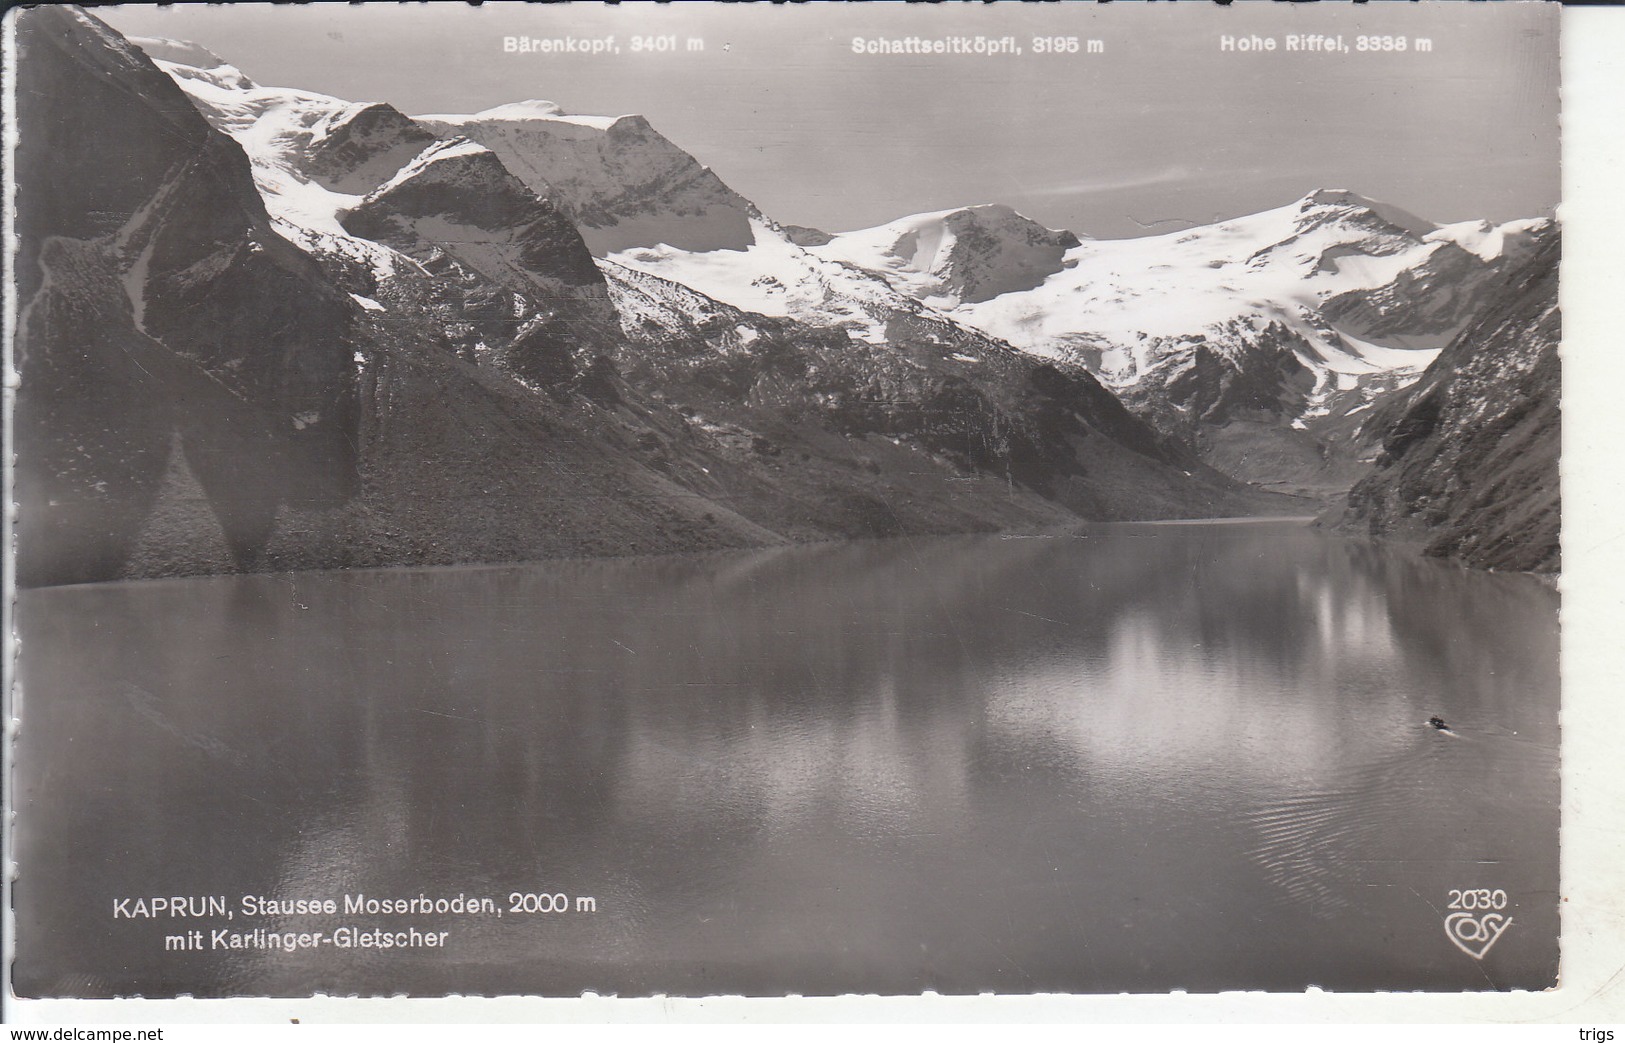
(1475, 935)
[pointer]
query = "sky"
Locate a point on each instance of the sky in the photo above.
(1159, 129)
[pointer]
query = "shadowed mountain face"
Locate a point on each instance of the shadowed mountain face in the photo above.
(160, 316)
(1469, 454)
(361, 344)
(457, 201)
(364, 146)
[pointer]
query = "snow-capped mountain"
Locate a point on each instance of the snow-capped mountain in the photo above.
(293, 139)
(622, 182)
(1306, 266)
(773, 275)
(643, 203)
(1258, 341)
(361, 338)
(1252, 338)
(288, 330)
(395, 210)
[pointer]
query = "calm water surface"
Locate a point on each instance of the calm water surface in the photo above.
(1152, 757)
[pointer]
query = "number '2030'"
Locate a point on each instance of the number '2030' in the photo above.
(1478, 899)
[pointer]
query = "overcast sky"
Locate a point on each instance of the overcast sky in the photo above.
(1161, 130)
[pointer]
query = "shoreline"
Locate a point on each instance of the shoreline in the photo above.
(1071, 532)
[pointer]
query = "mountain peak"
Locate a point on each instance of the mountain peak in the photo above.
(1335, 197)
(964, 254)
(533, 109)
(1004, 215)
(185, 60)
(180, 52)
(1344, 198)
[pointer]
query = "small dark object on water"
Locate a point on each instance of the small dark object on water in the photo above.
(1438, 722)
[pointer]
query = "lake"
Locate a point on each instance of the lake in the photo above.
(1141, 758)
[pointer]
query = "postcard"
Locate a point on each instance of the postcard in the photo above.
(785, 500)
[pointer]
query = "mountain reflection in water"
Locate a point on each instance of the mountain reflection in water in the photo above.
(1148, 757)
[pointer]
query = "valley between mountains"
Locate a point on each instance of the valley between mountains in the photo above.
(291, 331)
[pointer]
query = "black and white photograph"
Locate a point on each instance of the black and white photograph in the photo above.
(794, 500)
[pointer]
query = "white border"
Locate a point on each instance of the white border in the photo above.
(1593, 590)
(9, 696)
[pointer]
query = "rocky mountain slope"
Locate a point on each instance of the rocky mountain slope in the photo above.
(547, 310)
(295, 331)
(1469, 454)
(926, 389)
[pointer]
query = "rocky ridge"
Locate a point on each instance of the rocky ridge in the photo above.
(1468, 463)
